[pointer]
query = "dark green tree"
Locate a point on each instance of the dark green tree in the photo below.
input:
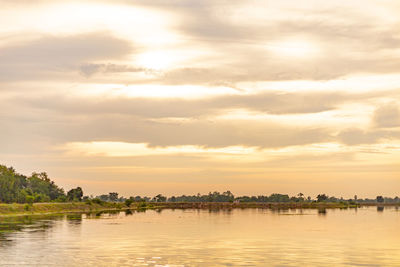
(322, 197)
(159, 198)
(113, 196)
(128, 202)
(75, 194)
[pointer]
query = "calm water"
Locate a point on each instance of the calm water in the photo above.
(248, 237)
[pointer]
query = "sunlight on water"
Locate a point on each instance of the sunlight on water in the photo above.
(239, 237)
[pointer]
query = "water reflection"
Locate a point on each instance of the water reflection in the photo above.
(128, 212)
(216, 237)
(322, 212)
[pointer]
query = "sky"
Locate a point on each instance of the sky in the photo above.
(187, 96)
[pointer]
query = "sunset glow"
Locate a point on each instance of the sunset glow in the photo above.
(251, 96)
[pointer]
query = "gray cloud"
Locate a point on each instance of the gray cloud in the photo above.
(387, 116)
(61, 119)
(125, 128)
(89, 69)
(356, 136)
(53, 55)
(267, 102)
(240, 47)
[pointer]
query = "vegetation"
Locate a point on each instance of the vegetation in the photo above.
(75, 194)
(17, 188)
(47, 208)
(217, 197)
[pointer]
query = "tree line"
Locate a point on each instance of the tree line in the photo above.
(228, 196)
(18, 188)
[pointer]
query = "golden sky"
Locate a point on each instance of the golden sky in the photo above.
(187, 96)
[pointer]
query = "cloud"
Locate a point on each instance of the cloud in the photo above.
(203, 133)
(240, 35)
(355, 136)
(49, 55)
(88, 69)
(238, 40)
(387, 116)
(137, 120)
(264, 102)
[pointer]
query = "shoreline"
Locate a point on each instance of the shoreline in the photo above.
(7, 210)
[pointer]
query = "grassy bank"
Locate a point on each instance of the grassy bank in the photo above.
(52, 208)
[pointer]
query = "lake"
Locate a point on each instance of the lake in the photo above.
(364, 236)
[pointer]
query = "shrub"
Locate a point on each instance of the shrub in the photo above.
(30, 199)
(128, 202)
(61, 198)
(97, 201)
(142, 205)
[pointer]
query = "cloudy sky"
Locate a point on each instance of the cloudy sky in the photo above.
(187, 96)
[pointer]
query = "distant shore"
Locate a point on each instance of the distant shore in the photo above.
(83, 207)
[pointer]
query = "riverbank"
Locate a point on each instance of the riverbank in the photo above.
(81, 207)
(53, 208)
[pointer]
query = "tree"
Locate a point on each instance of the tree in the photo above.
(380, 199)
(15, 187)
(159, 198)
(103, 197)
(75, 194)
(322, 197)
(113, 196)
(278, 198)
(40, 183)
(8, 186)
(128, 202)
(300, 197)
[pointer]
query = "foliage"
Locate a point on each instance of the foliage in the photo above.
(159, 198)
(111, 197)
(128, 202)
(322, 197)
(97, 201)
(75, 194)
(15, 187)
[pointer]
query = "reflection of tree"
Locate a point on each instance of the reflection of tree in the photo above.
(30, 224)
(128, 212)
(380, 208)
(41, 224)
(159, 210)
(322, 212)
(74, 218)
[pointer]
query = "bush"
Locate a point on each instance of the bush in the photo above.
(97, 201)
(61, 198)
(41, 198)
(142, 205)
(30, 199)
(128, 202)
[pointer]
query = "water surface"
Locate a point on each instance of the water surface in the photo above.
(238, 237)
